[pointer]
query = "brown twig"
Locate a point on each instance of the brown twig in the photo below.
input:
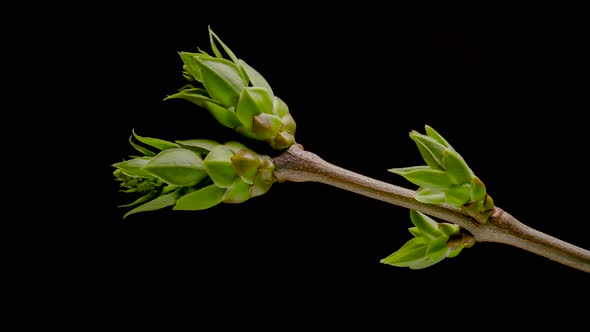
(298, 165)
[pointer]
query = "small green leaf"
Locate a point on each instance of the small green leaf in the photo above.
(437, 248)
(201, 145)
(405, 170)
(414, 243)
(478, 189)
(459, 195)
(155, 142)
(222, 79)
(156, 204)
(140, 148)
(424, 264)
(430, 196)
(434, 134)
(430, 178)
(406, 256)
(255, 78)
(219, 166)
(226, 116)
(180, 167)
(253, 101)
(448, 229)
(134, 167)
(140, 200)
(430, 149)
(425, 224)
(201, 199)
(416, 232)
(456, 168)
(212, 38)
(197, 96)
(238, 192)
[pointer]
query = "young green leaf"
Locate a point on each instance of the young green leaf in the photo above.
(253, 101)
(238, 192)
(222, 79)
(448, 229)
(134, 167)
(226, 116)
(180, 167)
(425, 224)
(430, 196)
(201, 199)
(156, 204)
(219, 166)
(458, 195)
(255, 78)
(456, 168)
(430, 149)
(429, 178)
(405, 170)
(146, 152)
(197, 96)
(437, 248)
(155, 142)
(424, 263)
(416, 232)
(140, 200)
(434, 134)
(213, 38)
(478, 189)
(406, 256)
(201, 145)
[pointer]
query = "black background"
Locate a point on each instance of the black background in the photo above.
(507, 90)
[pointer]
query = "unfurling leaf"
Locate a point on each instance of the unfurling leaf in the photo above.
(156, 204)
(222, 79)
(434, 134)
(255, 78)
(408, 254)
(219, 166)
(425, 224)
(459, 195)
(201, 145)
(437, 248)
(430, 196)
(430, 149)
(201, 199)
(425, 177)
(456, 168)
(478, 189)
(155, 142)
(179, 167)
(253, 101)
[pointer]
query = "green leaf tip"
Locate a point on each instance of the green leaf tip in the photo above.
(447, 179)
(432, 243)
(236, 95)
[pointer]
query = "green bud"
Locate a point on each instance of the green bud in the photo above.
(246, 164)
(448, 229)
(237, 96)
(219, 166)
(265, 126)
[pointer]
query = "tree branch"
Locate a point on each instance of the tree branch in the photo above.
(298, 165)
